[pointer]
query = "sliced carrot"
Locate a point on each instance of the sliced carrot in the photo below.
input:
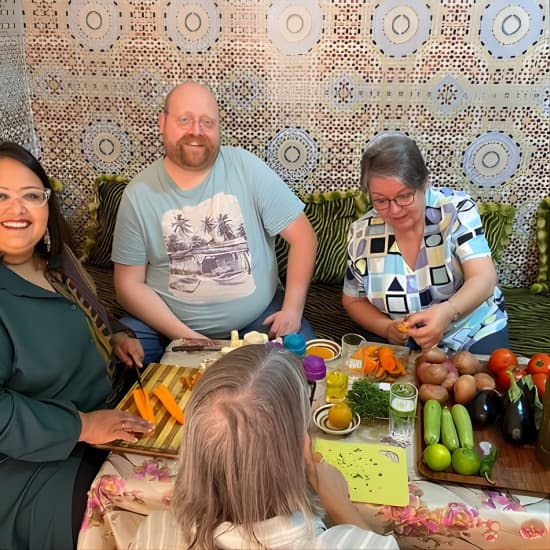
(369, 365)
(400, 364)
(380, 372)
(167, 399)
(387, 360)
(371, 351)
(399, 369)
(143, 404)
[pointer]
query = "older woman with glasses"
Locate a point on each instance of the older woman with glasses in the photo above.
(419, 267)
(55, 366)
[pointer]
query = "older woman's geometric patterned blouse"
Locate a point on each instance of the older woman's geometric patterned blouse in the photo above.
(453, 234)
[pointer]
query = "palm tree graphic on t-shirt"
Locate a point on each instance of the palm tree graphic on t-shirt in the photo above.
(225, 229)
(208, 225)
(209, 248)
(183, 225)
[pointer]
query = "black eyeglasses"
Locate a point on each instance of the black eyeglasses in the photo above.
(405, 199)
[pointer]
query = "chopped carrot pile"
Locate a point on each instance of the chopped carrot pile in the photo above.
(380, 362)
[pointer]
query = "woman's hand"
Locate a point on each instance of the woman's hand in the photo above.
(332, 489)
(395, 334)
(328, 482)
(428, 326)
(127, 349)
(107, 425)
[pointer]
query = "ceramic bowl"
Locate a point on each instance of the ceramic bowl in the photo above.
(320, 418)
(324, 348)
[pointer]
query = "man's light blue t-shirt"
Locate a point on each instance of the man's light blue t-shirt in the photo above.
(209, 250)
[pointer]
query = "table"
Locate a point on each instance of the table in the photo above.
(442, 517)
(450, 516)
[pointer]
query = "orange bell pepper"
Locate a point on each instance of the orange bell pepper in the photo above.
(167, 399)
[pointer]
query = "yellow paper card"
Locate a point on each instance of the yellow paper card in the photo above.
(376, 474)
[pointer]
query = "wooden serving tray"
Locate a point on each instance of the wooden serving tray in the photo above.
(166, 439)
(516, 468)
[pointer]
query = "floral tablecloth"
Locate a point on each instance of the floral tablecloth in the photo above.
(130, 486)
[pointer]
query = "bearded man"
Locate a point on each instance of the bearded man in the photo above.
(194, 242)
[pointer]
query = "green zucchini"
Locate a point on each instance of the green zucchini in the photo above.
(463, 424)
(432, 421)
(449, 434)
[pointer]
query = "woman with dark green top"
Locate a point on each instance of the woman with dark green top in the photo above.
(56, 343)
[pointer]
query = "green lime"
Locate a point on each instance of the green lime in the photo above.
(465, 461)
(437, 457)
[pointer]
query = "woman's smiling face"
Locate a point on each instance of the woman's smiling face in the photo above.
(22, 226)
(401, 218)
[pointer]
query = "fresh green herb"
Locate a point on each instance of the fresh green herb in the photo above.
(367, 399)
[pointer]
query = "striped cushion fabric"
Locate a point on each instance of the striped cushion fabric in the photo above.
(103, 212)
(542, 284)
(330, 215)
(527, 321)
(497, 220)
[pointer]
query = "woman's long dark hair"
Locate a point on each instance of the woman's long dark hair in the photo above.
(58, 228)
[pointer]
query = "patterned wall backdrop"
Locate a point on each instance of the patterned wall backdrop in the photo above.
(303, 84)
(15, 111)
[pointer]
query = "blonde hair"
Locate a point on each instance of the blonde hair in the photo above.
(242, 456)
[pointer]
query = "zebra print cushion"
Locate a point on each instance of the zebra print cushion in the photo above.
(330, 215)
(101, 225)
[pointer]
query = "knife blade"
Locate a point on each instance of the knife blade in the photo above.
(138, 377)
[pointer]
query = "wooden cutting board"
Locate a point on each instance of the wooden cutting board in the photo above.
(516, 468)
(166, 439)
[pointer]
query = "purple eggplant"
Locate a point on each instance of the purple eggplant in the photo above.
(518, 424)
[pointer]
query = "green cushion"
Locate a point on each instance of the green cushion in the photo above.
(542, 284)
(101, 225)
(527, 321)
(497, 220)
(330, 214)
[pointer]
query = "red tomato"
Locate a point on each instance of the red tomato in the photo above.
(539, 380)
(501, 359)
(539, 363)
(503, 380)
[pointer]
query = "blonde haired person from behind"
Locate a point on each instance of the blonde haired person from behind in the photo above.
(247, 479)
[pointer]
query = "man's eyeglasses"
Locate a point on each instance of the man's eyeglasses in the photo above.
(32, 197)
(405, 199)
(205, 123)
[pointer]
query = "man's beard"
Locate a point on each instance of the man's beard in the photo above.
(196, 158)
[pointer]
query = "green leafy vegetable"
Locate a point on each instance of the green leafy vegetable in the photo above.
(368, 400)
